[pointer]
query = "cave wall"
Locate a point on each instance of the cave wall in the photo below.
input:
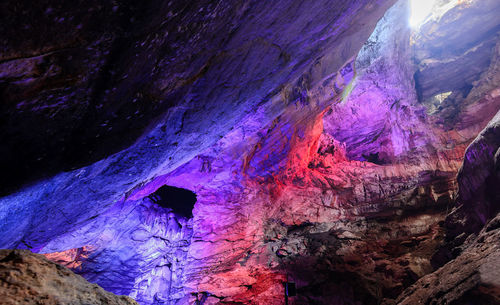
(301, 129)
(136, 248)
(246, 99)
(469, 272)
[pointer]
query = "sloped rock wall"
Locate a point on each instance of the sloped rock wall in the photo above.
(225, 93)
(473, 230)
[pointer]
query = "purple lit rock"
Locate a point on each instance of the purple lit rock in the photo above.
(479, 197)
(197, 120)
(136, 248)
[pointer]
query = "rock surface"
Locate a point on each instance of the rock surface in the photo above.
(478, 197)
(136, 248)
(303, 137)
(27, 278)
(472, 274)
(449, 59)
(307, 208)
(471, 278)
(456, 53)
(229, 93)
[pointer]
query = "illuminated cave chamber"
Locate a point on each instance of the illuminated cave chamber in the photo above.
(323, 143)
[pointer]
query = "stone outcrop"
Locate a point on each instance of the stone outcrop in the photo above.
(473, 233)
(478, 197)
(456, 52)
(307, 207)
(27, 278)
(449, 59)
(478, 179)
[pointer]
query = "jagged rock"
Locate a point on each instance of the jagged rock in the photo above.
(478, 197)
(28, 278)
(137, 248)
(457, 55)
(471, 278)
(219, 89)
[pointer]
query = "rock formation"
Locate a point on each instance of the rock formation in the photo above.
(28, 278)
(209, 153)
(473, 276)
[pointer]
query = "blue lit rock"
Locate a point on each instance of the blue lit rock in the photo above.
(136, 248)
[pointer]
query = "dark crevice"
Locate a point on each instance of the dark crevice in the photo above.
(180, 200)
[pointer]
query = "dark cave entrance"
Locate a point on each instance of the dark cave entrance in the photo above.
(180, 200)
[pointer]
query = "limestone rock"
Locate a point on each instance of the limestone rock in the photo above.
(302, 136)
(455, 46)
(27, 278)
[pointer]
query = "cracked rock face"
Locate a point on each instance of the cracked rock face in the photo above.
(228, 92)
(473, 230)
(308, 137)
(462, 63)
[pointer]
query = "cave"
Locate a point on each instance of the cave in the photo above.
(179, 200)
(323, 152)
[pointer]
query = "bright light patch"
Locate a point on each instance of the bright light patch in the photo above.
(442, 96)
(420, 10)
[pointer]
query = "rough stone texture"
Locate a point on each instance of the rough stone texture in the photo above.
(478, 177)
(455, 52)
(136, 248)
(109, 71)
(312, 161)
(472, 278)
(307, 208)
(473, 232)
(449, 59)
(379, 120)
(61, 74)
(218, 100)
(478, 197)
(27, 278)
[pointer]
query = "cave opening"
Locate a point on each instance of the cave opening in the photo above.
(420, 10)
(180, 200)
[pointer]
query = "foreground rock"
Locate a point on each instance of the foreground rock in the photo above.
(471, 278)
(27, 278)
